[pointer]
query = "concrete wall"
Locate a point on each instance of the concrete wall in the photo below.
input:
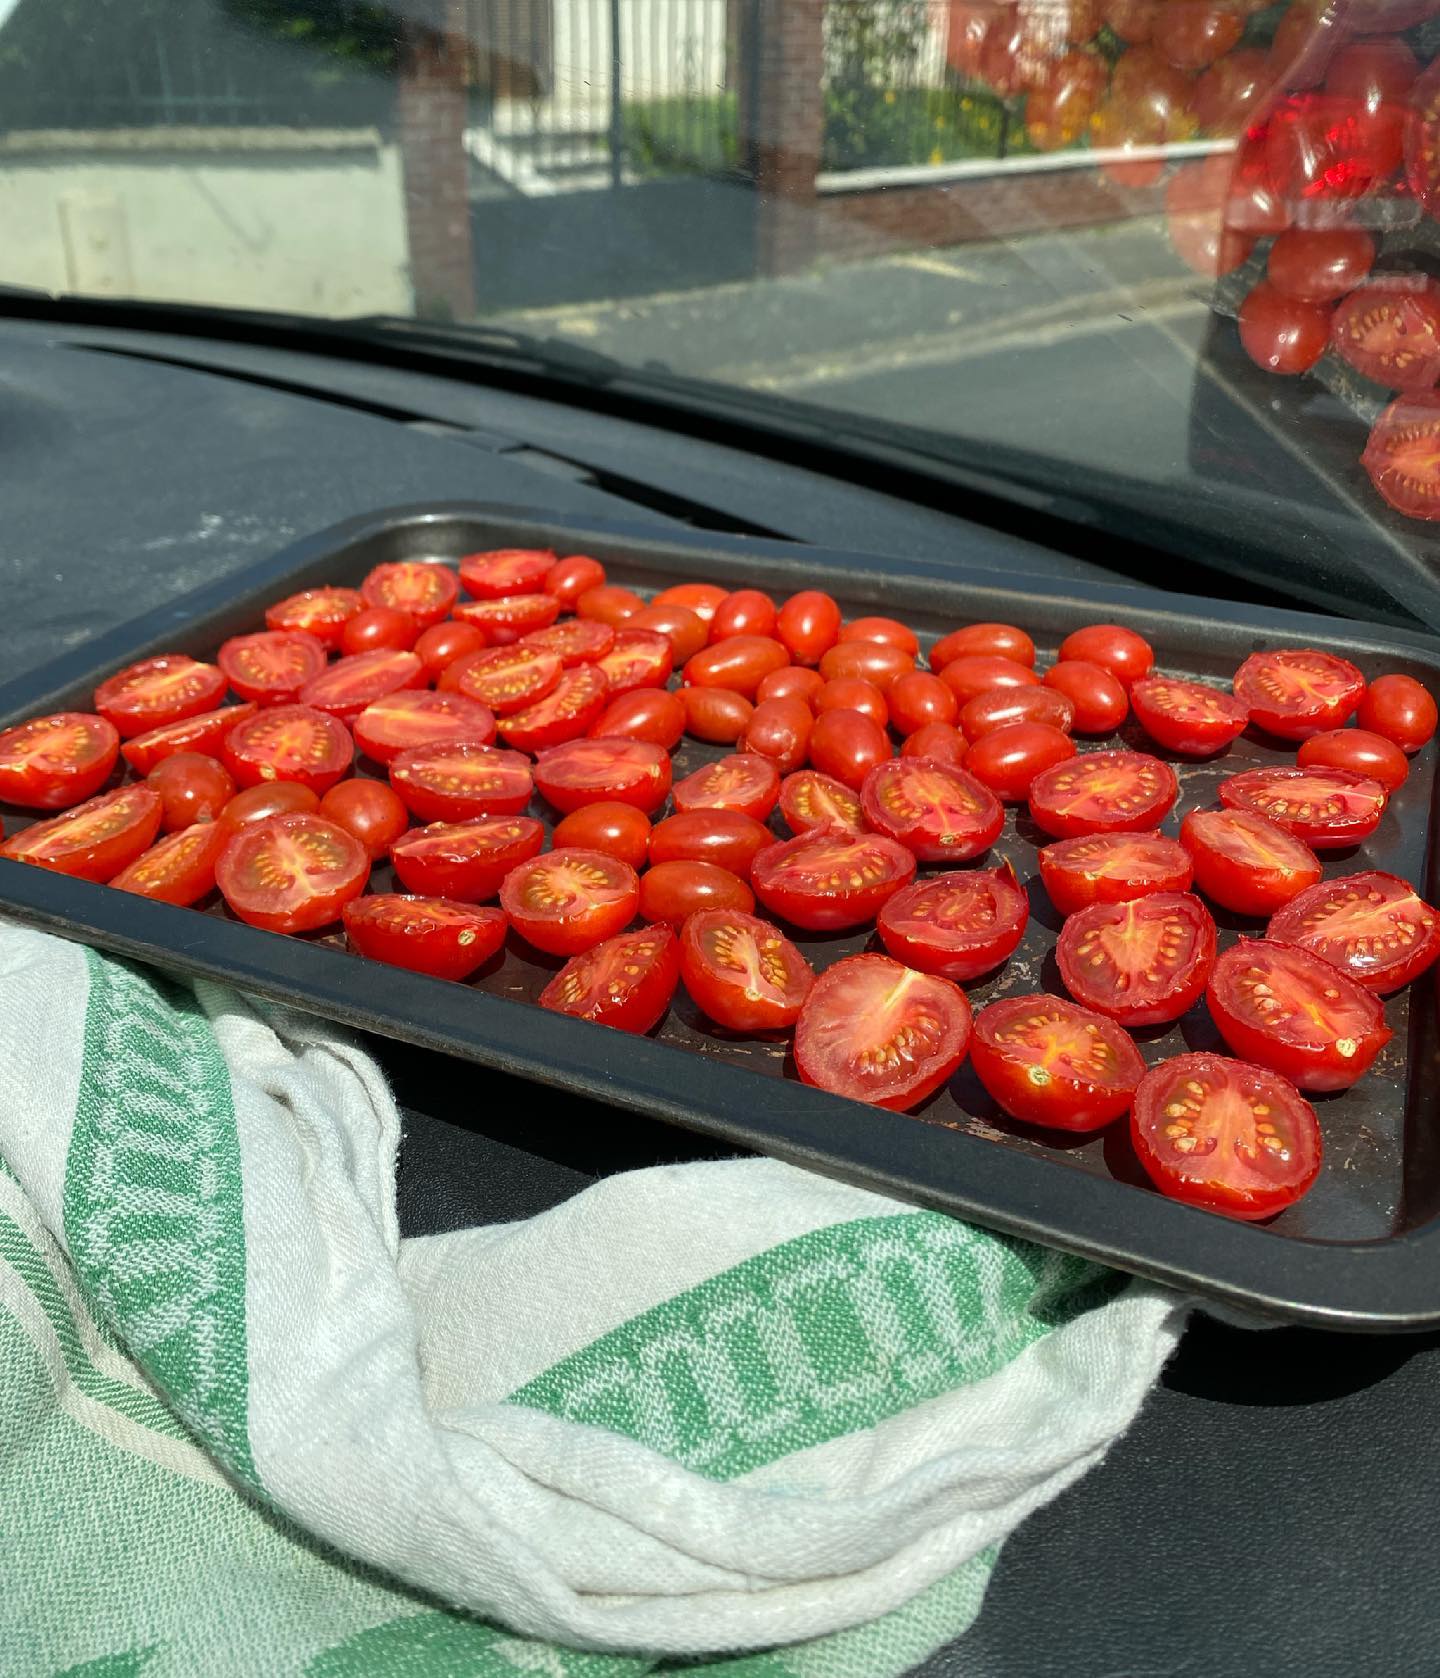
(311, 221)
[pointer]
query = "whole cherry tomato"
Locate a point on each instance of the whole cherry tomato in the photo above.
(885, 632)
(866, 661)
(377, 627)
(748, 611)
(673, 891)
(370, 811)
(570, 578)
(620, 830)
(1003, 706)
(983, 640)
(847, 745)
(976, 673)
(938, 740)
(650, 714)
(728, 838)
(808, 624)
(1007, 759)
(851, 693)
(780, 730)
(1357, 749)
(795, 681)
(270, 798)
(1280, 333)
(609, 603)
(1191, 34)
(443, 643)
(1401, 709)
(717, 715)
(738, 663)
(917, 698)
(1099, 701)
(685, 630)
(192, 788)
(1126, 655)
(1228, 91)
(701, 598)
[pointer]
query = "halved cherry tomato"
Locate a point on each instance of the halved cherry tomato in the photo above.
(502, 571)
(620, 830)
(50, 763)
(1294, 692)
(289, 743)
(421, 590)
(1103, 792)
(609, 603)
(830, 878)
(808, 624)
(272, 667)
(465, 860)
(96, 839)
(1144, 962)
(1322, 265)
(180, 869)
(1188, 717)
(506, 679)
(1120, 651)
(191, 789)
(809, 800)
(683, 629)
(1048, 1062)
(866, 661)
(1225, 1135)
(567, 900)
(744, 973)
(1422, 141)
(321, 612)
(167, 688)
(1246, 863)
(1008, 759)
(625, 982)
(983, 640)
(1327, 808)
(715, 715)
(746, 782)
(433, 935)
(1400, 709)
(1389, 330)
(780, 729)
(574, 641)
(1112, 868)
(878, 1032)
(448, 783)
(917, 699)
(728, 838)
(270, 798)
(939, 813)
(642, 714)
(441, 644)
(359, 679)
(1357, 749)
(1402, 455)
(1003, 707)
(581, 772)
(673, 891)
(569, 578)
(378, 629)
(853, 693)
(1100, 702)
(291, 873)
(509, 620)
(370, 810)
(848, 745)
(958, 925)
(738, 664)
(639, 659)
(418, 717)
(1373, 926)
(937, 741)
(1288, 1009)
(204, 734)
(976, 673)
(749, 611)
(571, 708)
(701, 598)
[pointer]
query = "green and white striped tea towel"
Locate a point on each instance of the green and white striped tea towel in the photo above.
(727, 1410)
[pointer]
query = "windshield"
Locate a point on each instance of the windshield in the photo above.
(1166, 267)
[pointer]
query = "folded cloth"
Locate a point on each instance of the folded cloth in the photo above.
(694, 1411)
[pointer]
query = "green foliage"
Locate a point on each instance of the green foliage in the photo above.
(357, 32)
(685, 134)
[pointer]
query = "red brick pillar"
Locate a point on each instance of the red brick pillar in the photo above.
(430, 111)
(788, 121)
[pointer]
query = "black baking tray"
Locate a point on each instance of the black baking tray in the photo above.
(1361, 1251)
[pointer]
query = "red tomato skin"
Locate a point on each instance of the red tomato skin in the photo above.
(938, 741)
(569, 578)
(178, 869)
(1003, 707)
(1282, 334)
(1065, 1101)
(795, 681)
(983, 640)
(424, 592)
(1297, 716)
(683, 629)
(268, 687)
(966, 953)
(1380, 960)
(746, 782)
(1008, 759)
(1098, 699)
(1399, 455)
(63, 780)
(1221, 719)
(1357, 749)
(673, 891)
(1072, 886)
(369, 811)
(418, 717)
(852, 693)
(204, 734)
(847, 745)
(649, 714)
(620, 830)
(728, 838)
(1226, 880)
(1049, 797)
(1322, 831)
(1307, 1065)
(585, 990)
(359, 679)
(968, 827)
(727, 997)
(269, 798)
(738, 663)
(716, 715)
(701, 598)
(975, 673)
(439, 937)
(1162, 1001)
(780, 730)
(1400, 709)
(824, 900)
(69, 843)
(866, 661)
(1320, 266)
(376, 629)
(610, 604)
(746, 612)
(329, 758)
(443, 643)
(493, 575)
(192, 789)
(1389, 330)
(321, 612)
(1120, 651)
(468, 860)
(917, 699)
(120, 699)
(566, 933)
(432, 784)
(567, 712)
(808, 625)
(885, 632)
(581, 772)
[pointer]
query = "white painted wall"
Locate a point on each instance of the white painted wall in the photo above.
(309, 221)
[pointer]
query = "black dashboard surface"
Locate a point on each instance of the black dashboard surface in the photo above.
(1276, 1507)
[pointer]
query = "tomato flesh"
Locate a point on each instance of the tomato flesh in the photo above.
(567, 900)
(640, 658)
(359, 679)
(881, 1033)
(506, 621)
(1403, 455)
(424, 592)
(1187, 717)
(1286, 1008)
(167, 688)
(272, 667)
(450, 783)
(431, 935)
(1327, 808)
(829, 879)
(50, 763)
(180, 869)
(1295, 692)
(1112, 868)
(569, 710)
(745, 782)
(1048, 1062)
(289, 743)
(205, 734)
(939, 813)
(1225, 1135)
(1103, 792)
(466, 861)
(1376, 927)
(321, 612)
(743, 972)
(95, 840)
(575, 641)
(626, 982)
(959, 925)
(489, 576)
(418, 717)
(1244, 862)
(505, 679)
(291, 873)
(1389, 330)
(1143, 962)
(581, 772)
(809, 799)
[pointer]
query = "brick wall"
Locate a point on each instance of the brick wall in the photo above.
(785, 130)
(430, 111)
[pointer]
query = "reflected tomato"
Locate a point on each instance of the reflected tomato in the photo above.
(1058, 111)
(1402, 455)
(1422, 140)
(1229, 91)
(620, 830)
(1320, 266)
(1389, 330)
(673, 891)
(1322, 151)
(1132, 21)
(1191, 34)
(1280, 333)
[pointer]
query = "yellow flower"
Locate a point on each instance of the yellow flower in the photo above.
(937, 156)
(967, 104)
(940, 122)
(889, 95)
